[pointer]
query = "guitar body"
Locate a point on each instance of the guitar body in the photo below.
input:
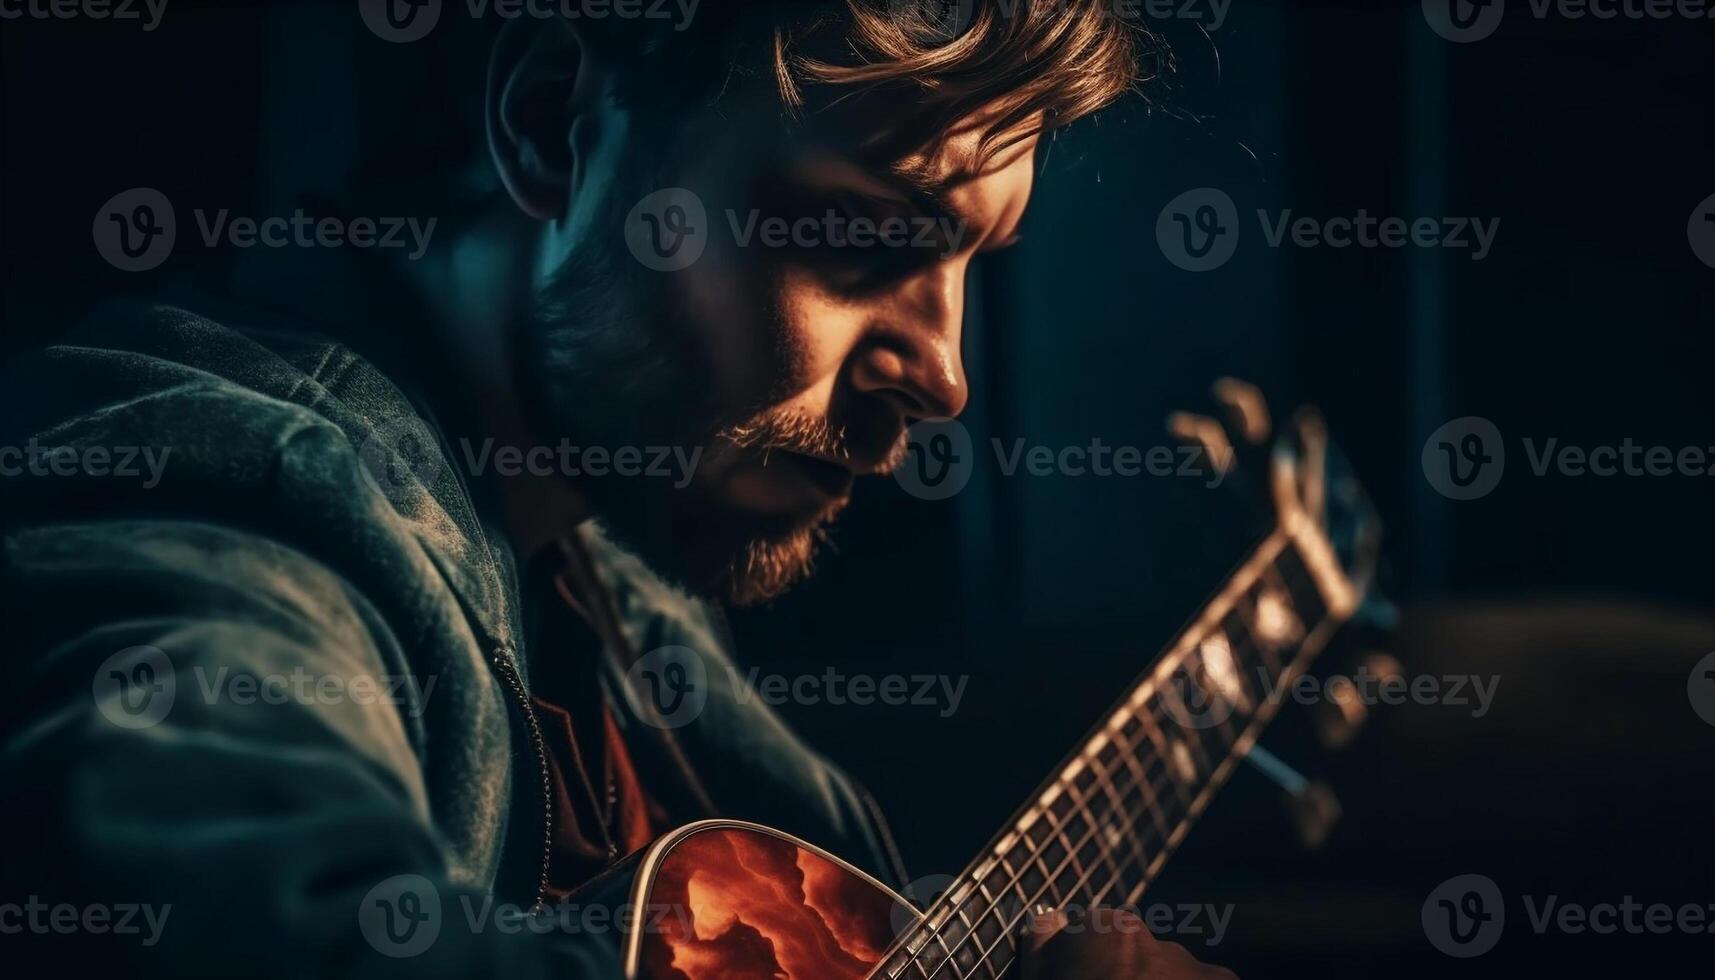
(727, 900)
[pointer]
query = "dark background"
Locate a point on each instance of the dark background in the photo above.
(1589, 598)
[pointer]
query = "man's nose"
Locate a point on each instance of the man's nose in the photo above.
(910, 357)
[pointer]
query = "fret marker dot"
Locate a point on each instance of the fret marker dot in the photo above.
(1182, 762)
(1274, 619)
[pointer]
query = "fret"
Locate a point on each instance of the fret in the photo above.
(993, 929)
(1033, 878)
(967, 950)
(1180, 767)
(1107, 843)
(1016, 865)
(1000, 886)
(1062, 855)
(1105, 826)
(1193, 724)
(1113, 828)
(1132, 731)
(1084, 830)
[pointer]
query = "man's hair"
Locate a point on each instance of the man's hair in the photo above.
(899, 62)
(1054, 60)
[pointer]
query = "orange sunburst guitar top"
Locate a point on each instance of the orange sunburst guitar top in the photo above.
(733, 901)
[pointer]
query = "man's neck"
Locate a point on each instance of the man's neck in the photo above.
(477, 284)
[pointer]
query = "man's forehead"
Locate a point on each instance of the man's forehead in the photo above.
(960, 161)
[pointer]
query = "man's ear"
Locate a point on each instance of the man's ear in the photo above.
(543, 89)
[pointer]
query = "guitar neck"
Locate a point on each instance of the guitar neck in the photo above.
(1104, 824)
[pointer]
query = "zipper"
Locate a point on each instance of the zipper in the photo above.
(509, 673)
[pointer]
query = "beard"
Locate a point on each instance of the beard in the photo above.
(608, 362)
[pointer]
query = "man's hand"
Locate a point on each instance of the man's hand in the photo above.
(1106, 944)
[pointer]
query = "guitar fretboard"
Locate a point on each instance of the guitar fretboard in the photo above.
(1105, 823)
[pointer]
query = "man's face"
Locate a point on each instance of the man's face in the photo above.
(822, 318)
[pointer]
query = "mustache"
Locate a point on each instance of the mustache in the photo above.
(812, 435)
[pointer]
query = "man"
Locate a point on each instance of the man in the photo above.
(321, 518)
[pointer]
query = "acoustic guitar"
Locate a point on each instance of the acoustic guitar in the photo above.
(746, 901)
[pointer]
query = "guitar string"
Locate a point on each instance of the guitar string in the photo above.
(1119, 867)
(1119, 864)
(1001, 941)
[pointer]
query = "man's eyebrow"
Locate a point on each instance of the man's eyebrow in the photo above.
(924, 188)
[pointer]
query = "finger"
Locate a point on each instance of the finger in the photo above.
(1245, 408)
(1312, 435)
(1178, 961)
(1108, 920)
(1206, 433)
